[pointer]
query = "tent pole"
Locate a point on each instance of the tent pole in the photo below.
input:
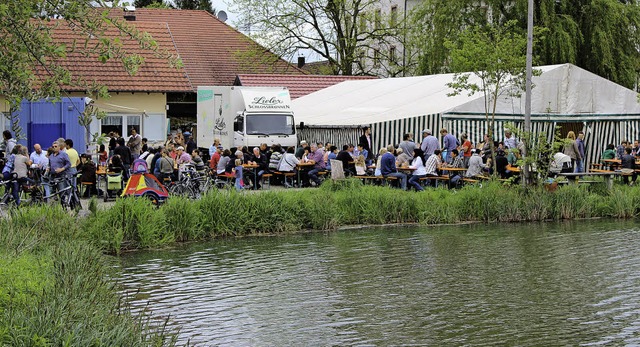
(527, 104)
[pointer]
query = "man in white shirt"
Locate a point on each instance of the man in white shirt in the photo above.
(39, 158)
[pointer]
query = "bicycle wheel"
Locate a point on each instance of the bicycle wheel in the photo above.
(181, 189)
(74, 201)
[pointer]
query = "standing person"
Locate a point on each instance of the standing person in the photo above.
(580, 162)
(145, 146)
(465, 149)
(429, 143)
(571, 148)
(74, 158)
(191, 144)
(21, 165)
(8, 142)
(449, 144)
(113, 141)
(408, 145)
(125, 155)
(134, 144)
(388, 167)
(509, 140)
(419, 172)
(365, 142)
(59, 163)
(39, 157)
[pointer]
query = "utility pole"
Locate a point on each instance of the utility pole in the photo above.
(527, 100)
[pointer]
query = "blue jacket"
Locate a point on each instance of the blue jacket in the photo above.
(388, 164)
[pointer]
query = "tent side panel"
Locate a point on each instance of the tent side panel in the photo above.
(337, 136)
(391, 132)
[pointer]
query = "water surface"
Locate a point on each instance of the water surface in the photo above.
(541, 284)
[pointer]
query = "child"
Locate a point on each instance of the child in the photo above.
(103, 156)
(238, 170)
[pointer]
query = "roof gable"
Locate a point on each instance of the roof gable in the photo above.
(212, 52)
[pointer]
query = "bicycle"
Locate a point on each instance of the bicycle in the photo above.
(68, 196)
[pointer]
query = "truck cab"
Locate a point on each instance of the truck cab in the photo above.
(258, 115)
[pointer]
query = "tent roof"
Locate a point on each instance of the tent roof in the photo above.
(560, 90)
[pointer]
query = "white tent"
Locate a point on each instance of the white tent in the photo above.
(607, 112)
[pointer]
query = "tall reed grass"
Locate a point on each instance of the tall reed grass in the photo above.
(136, 224)
(56, 287)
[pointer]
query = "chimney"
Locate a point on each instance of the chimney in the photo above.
(129, 13)
(300, 62)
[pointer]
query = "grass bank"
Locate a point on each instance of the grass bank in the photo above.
(55, 287)
(133, 224)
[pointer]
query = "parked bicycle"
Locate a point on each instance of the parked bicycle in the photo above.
(63, 191)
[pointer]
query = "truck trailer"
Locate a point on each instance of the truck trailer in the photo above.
(245, 116)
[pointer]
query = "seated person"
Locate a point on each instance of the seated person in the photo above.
(402, 159)
(115, 164)
(476, 166)
(87, 170)
(345, 157)
(388, 167)
(610, 152)
(196, 160)
(432, 164)
(501, 164)
(629, 167)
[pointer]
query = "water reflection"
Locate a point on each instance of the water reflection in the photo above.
(526, 285)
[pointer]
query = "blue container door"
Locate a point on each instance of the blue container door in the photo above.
(45, 134)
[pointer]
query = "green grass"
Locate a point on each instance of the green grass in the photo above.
(55, 286)
(131, 223)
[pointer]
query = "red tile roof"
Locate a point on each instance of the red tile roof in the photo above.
(299, 85)
(154, 75)
(213, 53)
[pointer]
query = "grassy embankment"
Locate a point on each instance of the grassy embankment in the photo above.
(54, 279)
(132, 224)
(55, 288)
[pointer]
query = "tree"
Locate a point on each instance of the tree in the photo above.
(195, 5)
(601, 36)
(352, 35)
(30, 61)
(496, 56)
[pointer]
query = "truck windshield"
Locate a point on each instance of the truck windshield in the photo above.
(270, 124)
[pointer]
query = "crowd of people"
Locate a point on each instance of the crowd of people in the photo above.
(409, 162)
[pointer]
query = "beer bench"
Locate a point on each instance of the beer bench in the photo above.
(574, 177)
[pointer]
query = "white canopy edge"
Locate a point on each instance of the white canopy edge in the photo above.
(561, 89)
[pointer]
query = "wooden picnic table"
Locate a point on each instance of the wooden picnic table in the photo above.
(608, 175)
(254, 168)
(303, 166)
(513, 169)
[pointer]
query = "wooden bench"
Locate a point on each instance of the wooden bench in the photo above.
(85, 185)
(371, 179)
(437, 179)
(287, 175)
(575, 177)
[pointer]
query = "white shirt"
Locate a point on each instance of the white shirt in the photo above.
(288, 162)
(40, 160)
(420, 169)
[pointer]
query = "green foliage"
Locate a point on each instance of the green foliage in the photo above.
(598, 35)
(31, 65)
(56, 289)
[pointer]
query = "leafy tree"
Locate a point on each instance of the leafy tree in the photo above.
(496, 56)
(30, 61)
(195, 5)
(601, 36)
(147, 3)
(349, 34)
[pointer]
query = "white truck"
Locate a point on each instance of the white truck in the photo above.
(247, 116)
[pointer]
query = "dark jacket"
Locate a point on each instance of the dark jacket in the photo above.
(365, 145)
(628, 162)
(125, 154)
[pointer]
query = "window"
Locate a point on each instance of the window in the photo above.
(377, 19)
(270, 124)
(376, 58)
(392, 55)
(394, 16)
(122, 123)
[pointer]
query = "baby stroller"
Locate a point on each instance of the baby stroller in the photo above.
(113, 185)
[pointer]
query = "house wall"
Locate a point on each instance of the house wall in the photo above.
(147, 109)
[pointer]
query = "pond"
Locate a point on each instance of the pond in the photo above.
(570, 283)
